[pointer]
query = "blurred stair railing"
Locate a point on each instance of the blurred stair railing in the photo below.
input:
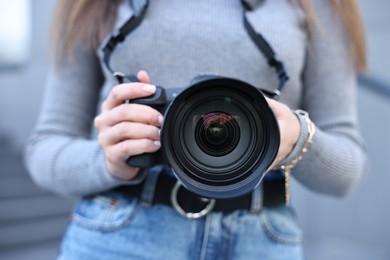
(28, 215)
(375, 85)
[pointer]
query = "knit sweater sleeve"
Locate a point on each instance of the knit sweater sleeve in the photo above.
(61, 155)
(337, 159)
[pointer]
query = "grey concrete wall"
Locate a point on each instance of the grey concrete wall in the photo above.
(377, 23)
(32, 221)
(21, 88)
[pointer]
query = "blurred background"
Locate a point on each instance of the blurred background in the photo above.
(32, 221)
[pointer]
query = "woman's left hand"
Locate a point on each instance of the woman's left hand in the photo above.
(289, 127)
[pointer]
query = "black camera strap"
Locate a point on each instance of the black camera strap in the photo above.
(118, 36)
(139, 8)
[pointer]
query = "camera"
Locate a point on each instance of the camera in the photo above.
(219, 135)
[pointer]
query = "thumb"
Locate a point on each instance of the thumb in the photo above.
(143, 76)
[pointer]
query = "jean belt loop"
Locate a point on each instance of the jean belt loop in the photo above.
(257, 199)
(150, 184)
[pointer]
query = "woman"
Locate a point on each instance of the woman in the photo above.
(86, 133)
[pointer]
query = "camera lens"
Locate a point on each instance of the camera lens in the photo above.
(217, 133)
(219, 136)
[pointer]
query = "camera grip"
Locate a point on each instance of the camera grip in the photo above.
(157, 99)
(145, 160)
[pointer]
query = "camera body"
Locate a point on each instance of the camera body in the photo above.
(219, 136)
(160, 101)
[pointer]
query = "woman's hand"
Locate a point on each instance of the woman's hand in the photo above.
(289, 127)
(128, 129)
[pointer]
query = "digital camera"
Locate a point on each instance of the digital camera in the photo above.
(219, 135)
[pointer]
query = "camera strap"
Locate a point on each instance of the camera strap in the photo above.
(139, 8)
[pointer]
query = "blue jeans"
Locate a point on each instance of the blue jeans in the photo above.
(114, 226)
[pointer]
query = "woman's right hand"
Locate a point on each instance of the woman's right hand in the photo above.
(128, 129)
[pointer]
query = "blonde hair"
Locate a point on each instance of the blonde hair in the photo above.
(80, 23)
(88, 21)
(351, 17)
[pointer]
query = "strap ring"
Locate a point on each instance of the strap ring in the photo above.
(191, 215)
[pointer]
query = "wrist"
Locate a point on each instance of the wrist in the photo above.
(303, 141)
(296, 130)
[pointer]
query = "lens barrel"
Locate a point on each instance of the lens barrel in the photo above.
(219, 136)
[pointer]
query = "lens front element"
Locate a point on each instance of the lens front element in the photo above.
(217, 133)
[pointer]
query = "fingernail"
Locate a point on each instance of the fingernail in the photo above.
(157, 143)
(160, 119)
(150, 88)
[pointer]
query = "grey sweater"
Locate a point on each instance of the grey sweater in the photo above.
(181, 39)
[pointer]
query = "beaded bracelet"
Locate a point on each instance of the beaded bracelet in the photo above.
(287, 168)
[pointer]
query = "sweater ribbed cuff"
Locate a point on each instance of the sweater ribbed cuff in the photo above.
(113, 181)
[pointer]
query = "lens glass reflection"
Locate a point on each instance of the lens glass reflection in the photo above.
(216, 133)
